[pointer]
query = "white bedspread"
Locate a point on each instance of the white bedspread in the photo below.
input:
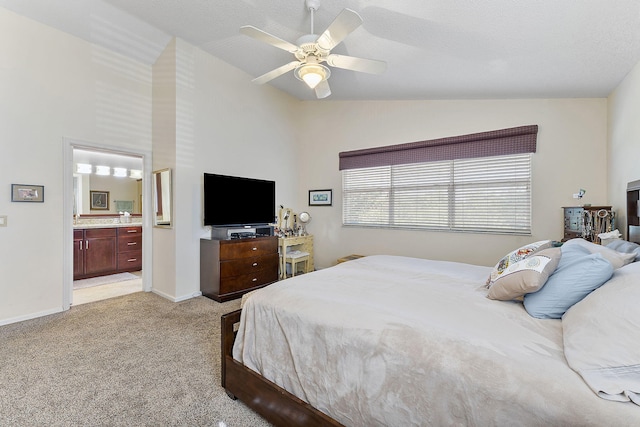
(395, 341)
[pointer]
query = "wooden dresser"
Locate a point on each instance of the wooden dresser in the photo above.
(574, 222)
(633, 211)
(231, 268)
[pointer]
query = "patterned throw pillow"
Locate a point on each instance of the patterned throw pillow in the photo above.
(525, 276)
(515, 256)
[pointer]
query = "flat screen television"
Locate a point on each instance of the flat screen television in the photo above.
(231, 201)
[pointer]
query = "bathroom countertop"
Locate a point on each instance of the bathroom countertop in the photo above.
(107, 225)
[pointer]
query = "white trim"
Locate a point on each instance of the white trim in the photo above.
(178, 299)
(30, 316)
(69, 145)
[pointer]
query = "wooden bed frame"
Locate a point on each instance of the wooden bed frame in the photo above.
(271, 401)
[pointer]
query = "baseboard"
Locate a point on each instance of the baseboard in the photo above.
(29, 316)
(176, 299)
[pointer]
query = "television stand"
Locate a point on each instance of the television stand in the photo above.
(229, 268)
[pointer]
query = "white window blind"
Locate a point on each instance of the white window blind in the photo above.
(486, 194)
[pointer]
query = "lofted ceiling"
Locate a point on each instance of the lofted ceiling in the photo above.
(435, 49)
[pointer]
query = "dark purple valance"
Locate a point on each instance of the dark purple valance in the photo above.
(485, 144)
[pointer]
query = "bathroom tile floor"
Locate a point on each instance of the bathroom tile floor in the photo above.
(97, 293)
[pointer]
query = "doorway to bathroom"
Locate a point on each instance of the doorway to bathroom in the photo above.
(105, 195)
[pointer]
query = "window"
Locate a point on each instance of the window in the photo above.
(482, 194)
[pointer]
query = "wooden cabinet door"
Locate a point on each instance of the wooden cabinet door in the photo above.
(78, 253)
(100, 255)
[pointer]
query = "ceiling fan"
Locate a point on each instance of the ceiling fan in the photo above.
(311, 50)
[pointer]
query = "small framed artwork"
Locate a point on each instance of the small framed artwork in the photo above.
(320, 197)
(27, 193)
(99, 200)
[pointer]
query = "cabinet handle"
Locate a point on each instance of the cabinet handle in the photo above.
(254, 280)
(132, 259)
(80, 244)
(254, 249)
(131, 243)
(254, 264)
(86, 246)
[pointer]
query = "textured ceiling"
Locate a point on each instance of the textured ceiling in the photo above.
(435, 49)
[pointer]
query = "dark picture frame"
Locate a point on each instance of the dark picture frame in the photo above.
(320, 197)
(99, 200)
(27, 193)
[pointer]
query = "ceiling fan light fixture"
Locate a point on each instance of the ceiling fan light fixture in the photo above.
(312, 74)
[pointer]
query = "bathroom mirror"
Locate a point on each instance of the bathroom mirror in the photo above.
(162, 197)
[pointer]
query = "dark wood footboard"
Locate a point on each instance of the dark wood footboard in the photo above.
(274, 403)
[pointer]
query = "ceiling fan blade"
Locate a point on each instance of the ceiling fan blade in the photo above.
(276, 73)
(341, 27)
(323, 90)
(371, 66)
(263, 36)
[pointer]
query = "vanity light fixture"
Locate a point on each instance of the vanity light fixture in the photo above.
(103, 170)
(120, 172)
(83, 168)
(135, 174)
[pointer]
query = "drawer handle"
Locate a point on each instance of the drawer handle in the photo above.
(254, 264)
(254, 249)
(131, 243)
(132, 259)
(254, 280)
(132, 231)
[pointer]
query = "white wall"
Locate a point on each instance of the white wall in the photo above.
(624, 142)
(222, 123)
(571, 154)
(164, 156)
(53, 85)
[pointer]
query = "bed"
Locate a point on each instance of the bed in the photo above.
(388, 340)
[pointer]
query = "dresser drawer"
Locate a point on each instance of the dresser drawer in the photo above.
(99, 232)
(129, 243)
(128, 231)
(247, 281)
(243, 266)
(130, 261)
(249, 248)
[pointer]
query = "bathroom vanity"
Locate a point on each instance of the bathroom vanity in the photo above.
(101, 250)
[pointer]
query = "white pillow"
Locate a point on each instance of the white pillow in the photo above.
(625, 246)
(617, 259)
(525, 276)
(515, 256)
(602, 337)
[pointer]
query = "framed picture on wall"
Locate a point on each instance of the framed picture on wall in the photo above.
(27, 193)
(320, 197)
(99, 200)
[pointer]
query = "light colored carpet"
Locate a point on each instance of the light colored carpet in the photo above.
(103, 280)
(135, 360)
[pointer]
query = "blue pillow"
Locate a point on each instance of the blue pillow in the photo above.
(578, 274)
